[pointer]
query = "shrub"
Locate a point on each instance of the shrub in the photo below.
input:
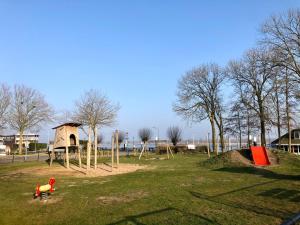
(37, 146)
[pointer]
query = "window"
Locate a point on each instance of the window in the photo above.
(297, 134)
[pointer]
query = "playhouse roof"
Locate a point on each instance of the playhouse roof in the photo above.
(70, 124)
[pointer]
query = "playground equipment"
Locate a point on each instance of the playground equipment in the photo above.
(169, 151)
(145, 149)
(66, 135)
(44, 190)
(260, 156)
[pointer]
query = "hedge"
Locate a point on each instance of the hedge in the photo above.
(37, 146)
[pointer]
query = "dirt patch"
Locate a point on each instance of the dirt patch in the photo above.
(102, 170)
(50, 200)
(122, 198)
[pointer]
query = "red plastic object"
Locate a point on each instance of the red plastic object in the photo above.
(51, 182)
(260, 156)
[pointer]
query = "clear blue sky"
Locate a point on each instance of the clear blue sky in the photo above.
(133, 51)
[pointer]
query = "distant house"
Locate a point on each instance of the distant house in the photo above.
(11, 140)
(283, 141)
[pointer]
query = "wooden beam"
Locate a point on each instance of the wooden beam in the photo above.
(118, 147)
(112, 151)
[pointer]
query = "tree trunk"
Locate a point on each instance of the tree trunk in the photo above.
(95, 146)
(287, 108)
(221, 134)
(240, 130)
(20, 141)
(208, 147)
(262, 122)
(213, 134)
(263, 132)
(220, 126)
(278, 112)
(88, 157)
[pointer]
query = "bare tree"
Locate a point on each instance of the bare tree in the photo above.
(277, 102)
(199, 95)
(95, 110)
(100, 138)
(281, 33)
(145, 134)
(5, 99)
(121, 137)
(64, 116)
(174, 134)
(29, 110)
(235, 121)
(290, 90)
(252, 75)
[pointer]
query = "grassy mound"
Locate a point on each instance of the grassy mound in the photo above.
(240, 158)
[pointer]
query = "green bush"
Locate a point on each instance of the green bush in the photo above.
(37, 146)
(181, 149)
(201, 148)
(163, 149)
(83, 143)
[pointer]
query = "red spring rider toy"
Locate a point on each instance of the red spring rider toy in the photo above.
(44, 190)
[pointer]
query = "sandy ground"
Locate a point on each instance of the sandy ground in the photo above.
(101, 171)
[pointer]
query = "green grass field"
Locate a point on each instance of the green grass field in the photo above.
(186, 190)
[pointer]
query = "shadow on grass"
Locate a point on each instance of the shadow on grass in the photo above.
(258, 171)
(281, 193)
(244, 206)
(134, 220)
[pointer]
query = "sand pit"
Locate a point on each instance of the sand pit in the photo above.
(101, 171)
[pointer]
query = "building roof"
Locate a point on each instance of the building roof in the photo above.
(70, 124)
(284, 139)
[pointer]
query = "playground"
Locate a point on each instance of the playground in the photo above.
(187, 189)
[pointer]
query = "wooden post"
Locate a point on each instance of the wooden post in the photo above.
(112, 151)
(88, 157)
(67, 157)
(79, 156)
(52, 156)
(171, 152)
(143, 149)
(95, 146)
(208, 149)
(168, 151)
(118, 147)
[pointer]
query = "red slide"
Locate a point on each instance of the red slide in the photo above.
(260, 156)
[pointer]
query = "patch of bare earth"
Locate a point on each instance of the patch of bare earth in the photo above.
(129, 197)
(50, 200)
(75, 171)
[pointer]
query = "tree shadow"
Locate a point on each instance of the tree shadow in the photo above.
(134, 219)
(281, 193)
(244, 206)
(258, 171)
